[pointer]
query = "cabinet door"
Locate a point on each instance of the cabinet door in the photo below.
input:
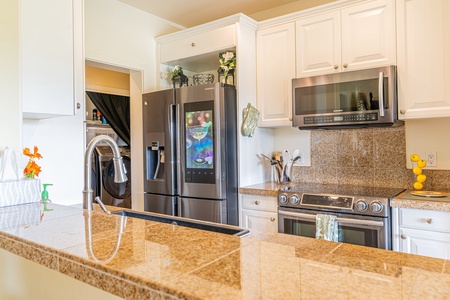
(423, 47)
(208, 41)
(260, 220)
(368, 35)
(47, 58)
(427, 243)
(318, 41)
(275, 71)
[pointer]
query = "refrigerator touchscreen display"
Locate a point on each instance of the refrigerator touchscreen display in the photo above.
(199, 147)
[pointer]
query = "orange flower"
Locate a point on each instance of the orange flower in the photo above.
(32, 168)
(35, 154)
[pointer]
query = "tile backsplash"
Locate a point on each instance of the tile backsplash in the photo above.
(369, 157)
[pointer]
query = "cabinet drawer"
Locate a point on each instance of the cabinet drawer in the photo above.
(260, 220)
(259, 203)
(425, 219)
(209, 41)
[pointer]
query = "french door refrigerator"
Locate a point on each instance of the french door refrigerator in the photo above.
(190, 152)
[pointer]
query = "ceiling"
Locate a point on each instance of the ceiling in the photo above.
(188, 13)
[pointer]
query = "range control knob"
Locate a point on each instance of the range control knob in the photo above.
(376, 206)
(294, 199)
(361, 205)
(283, 198)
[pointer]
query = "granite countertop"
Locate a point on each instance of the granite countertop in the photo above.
(406, 200)
(156, 260)
(264, 189)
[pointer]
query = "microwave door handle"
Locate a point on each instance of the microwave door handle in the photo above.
(381, 94)
(341, 221)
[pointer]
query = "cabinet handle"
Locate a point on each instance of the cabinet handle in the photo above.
(345, 66)
(430, 221)
(402, 111)
(290, 119)
(272, 219)
(335, 67)
(257, 202)
(192, 44)
(78, 105)
(404, 236)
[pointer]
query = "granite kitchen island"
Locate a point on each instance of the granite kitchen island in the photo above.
(137, 259)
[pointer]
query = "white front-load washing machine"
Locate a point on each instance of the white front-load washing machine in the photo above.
(110, 192)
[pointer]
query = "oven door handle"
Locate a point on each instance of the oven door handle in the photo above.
(342, 221)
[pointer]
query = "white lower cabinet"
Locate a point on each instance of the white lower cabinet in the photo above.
(259, 212)
(422, 232)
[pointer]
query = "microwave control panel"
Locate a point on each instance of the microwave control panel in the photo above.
(358, 117)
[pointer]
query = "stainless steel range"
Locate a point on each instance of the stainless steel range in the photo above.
(362, 213)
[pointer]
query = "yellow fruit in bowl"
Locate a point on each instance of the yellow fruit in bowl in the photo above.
(421, 163)
(418, 185)
(414, 157)
(421, 178)
(417, 170)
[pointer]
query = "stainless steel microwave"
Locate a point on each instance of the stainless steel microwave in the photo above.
(352, 99)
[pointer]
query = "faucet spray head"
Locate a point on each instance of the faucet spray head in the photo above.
(120, 171)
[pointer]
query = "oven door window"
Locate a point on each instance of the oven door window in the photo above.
(347, 234)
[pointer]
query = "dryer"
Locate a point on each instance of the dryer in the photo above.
(110, 192)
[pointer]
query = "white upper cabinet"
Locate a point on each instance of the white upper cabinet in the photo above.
(275, 60)
(203, 42)
(423, 41)
(319, 44)
(358, 37)
(47, 58)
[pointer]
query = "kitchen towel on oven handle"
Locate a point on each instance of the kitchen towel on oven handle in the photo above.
(326, 228)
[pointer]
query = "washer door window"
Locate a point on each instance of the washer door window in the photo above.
(117, 190)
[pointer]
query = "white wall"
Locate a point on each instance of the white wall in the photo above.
(22, 279)
(252, 169)
(291, 138)
(10, 105)
(122, 36)
(423, 135)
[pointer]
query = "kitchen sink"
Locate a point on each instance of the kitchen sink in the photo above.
(197, 224)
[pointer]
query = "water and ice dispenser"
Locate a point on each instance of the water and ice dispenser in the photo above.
(155, 157)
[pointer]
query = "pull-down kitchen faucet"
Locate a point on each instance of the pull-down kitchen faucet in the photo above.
(119, 170)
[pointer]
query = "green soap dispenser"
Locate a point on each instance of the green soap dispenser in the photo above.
(44, 196)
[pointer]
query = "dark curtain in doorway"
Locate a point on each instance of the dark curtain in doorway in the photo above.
(116, 110)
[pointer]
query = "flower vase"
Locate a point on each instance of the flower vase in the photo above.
(180, 80)
(226, 79)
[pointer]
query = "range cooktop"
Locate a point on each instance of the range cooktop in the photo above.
(362, 200)
(344, 190)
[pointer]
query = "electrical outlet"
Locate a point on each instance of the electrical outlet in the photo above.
(300, 161)
(431, 159)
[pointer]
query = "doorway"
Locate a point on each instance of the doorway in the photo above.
(116, 80)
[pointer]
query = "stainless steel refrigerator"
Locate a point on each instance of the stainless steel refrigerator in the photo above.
(190, 152)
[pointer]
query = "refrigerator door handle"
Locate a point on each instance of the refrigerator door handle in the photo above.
(175, 132)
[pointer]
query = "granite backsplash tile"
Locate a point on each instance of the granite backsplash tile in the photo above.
(369, 156)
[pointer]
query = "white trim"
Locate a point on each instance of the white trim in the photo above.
(309, 12)
(237, 18)
(107, 90)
